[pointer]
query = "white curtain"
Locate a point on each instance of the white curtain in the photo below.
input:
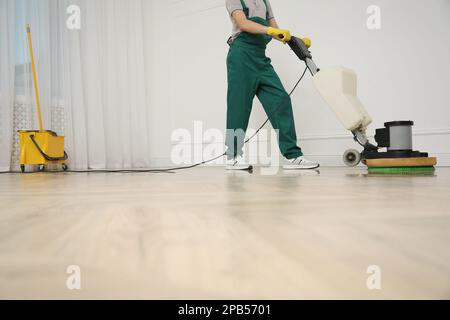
(91, 81)
(7, 65)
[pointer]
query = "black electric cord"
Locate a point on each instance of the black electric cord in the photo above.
(171, 170)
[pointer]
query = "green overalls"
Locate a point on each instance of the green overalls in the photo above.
(251, 73)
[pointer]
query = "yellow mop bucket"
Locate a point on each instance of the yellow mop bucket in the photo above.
(40, 147)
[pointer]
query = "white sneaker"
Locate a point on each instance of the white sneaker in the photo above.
(238, 163)
(300, 163)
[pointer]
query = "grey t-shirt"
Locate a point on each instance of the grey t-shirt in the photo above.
(256, 8)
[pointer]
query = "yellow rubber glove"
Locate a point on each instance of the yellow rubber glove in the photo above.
(279, 34)
(307, 42)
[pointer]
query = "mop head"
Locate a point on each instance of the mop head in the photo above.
(402, 170)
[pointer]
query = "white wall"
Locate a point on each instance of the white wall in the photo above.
(403, 69)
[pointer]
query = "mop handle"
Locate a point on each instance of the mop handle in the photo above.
(33, 68)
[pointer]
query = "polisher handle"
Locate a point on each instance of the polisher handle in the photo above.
(300, 49)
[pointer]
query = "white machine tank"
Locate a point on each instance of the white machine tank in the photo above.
(338, 87)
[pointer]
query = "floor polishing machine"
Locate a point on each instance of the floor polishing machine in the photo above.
(338, 87)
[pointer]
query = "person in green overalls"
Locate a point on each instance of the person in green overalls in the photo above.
(250, 74)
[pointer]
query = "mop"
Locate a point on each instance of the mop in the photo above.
(40, 147)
